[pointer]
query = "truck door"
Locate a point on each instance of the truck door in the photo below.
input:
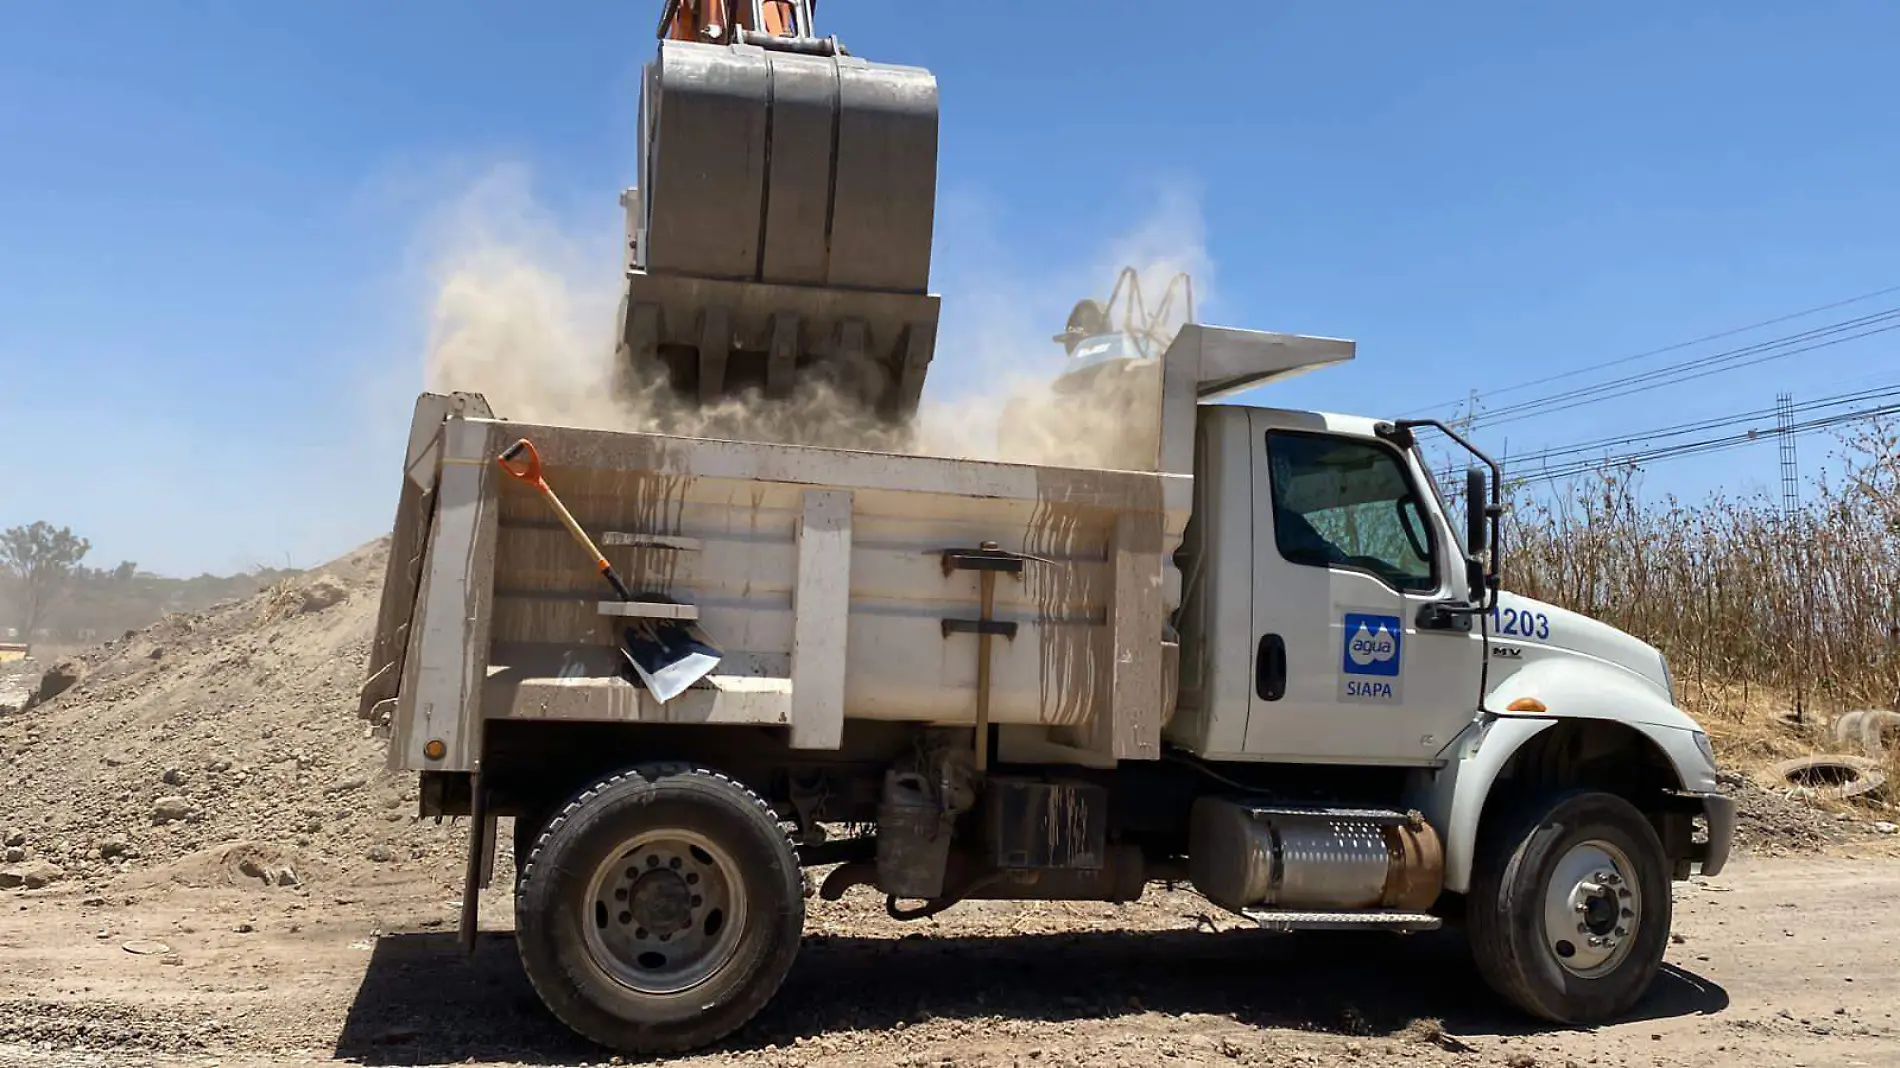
(1349, 543)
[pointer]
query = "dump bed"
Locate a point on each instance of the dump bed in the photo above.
(838, 585)
(821, 574)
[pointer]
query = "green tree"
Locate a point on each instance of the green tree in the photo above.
(41, 558)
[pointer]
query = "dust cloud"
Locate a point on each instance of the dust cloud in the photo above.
(525, 314)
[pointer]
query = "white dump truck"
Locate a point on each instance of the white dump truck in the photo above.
(1267, 664)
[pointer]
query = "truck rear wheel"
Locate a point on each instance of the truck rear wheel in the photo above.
(660, 909)
(1569, 908)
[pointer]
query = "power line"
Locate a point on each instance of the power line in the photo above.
(1678, 346)
(1715, 423)
(1708, 445)
(1692, 370)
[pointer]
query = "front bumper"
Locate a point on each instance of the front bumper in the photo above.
(1712, 856)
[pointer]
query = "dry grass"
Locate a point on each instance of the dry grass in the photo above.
(280, 600)
(1759, 612)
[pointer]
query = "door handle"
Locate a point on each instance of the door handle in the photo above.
(1269, 668)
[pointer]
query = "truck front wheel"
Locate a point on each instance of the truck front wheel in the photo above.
(1569, 909)
(660, 909)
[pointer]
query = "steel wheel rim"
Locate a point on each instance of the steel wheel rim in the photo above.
(664, 912)
(1593, 909)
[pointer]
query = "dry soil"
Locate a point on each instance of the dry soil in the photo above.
(208, 864)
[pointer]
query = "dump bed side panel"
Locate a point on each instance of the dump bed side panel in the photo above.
(727, 529)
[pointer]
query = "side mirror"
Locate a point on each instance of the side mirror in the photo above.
(1477, 509)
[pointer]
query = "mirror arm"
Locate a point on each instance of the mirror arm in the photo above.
(1400, 432)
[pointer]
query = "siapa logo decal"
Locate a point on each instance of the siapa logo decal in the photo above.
(1371, 657)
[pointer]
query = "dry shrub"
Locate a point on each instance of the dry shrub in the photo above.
(280, 600)
(1757, 611)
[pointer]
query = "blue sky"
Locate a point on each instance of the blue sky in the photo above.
(213, 306)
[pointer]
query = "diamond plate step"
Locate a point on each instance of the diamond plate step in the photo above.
(1383, 816)
(1367, 920)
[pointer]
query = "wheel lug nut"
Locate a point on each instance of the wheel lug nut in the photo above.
(1622, 932)
(639, 932)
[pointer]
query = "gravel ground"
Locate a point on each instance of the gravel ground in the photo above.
(205, 862)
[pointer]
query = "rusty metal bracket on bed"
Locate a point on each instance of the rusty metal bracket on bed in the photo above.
(987, 561)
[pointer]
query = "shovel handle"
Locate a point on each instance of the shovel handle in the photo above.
(529, 470)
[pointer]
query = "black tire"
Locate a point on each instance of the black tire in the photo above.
(528, 827)
(1505, 913)
(552, 908)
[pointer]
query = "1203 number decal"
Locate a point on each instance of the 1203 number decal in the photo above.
(1521, 623)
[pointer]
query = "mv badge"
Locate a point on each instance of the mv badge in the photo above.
(1370, 661)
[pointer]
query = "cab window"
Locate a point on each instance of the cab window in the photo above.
(1349, 503)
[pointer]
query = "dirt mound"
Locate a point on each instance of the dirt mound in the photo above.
(214, 730)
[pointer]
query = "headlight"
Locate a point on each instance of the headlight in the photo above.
(1702, 743)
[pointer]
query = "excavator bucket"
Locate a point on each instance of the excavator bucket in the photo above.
(781, 228)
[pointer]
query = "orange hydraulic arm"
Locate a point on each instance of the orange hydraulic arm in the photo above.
(717, 20)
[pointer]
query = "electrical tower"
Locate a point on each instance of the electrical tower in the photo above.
(1790, 517)
(1790, 469)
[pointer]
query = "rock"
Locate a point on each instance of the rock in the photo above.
(322, 592)
(32, 876)
(173, 777)
(15, 854)
(381, 854)
(219, 765)
(171, 809)
(16, 838)
(286, 877)
(112, 847)
(59, 678)
(250, 868)
(244, 928)
(1884, 827)
(344, 786)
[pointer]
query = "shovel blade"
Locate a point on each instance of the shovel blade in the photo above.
(669, 657)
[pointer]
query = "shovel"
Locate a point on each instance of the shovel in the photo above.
(668, 655)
